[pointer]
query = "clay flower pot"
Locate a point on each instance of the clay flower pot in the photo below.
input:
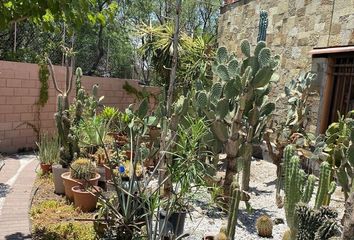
(107, 171)
(85, 200)
(69, 183)
(46, 168)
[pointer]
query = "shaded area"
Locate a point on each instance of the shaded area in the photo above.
(17, 236)
(4, 190)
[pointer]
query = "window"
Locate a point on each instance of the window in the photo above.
(337, 88)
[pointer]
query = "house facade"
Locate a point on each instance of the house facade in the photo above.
(315, 35)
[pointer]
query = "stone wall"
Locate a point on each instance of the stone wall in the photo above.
(19, 92)
(295, 28)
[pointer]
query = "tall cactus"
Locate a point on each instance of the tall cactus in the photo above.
(326, 187)
(233, 210)
(236, 104)
(69, 144)
(298, 188)
(263, 25)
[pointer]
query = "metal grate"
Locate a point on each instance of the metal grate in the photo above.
(343, 87)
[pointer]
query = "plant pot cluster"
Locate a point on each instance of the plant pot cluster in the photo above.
(82, 191)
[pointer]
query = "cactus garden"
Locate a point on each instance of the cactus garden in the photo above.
(210, 142)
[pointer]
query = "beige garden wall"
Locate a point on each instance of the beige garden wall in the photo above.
(19, 92)
(295, 28)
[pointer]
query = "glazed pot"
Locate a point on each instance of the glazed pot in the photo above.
(85, 200)
(46, 168)
(69, 183)
(58, 170)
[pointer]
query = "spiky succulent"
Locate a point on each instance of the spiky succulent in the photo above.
(315, 223)
(264, 225)
(82, 168)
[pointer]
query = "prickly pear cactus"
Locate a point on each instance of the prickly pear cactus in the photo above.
(237, 101)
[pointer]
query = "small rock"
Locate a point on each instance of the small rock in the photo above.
(278, 221)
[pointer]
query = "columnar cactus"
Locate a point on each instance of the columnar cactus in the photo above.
(326, 187)
(233, 210)
(263, 25)
(298, 188)
(237, 105)
(69, 145)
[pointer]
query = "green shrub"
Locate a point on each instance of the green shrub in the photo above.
(52, 220)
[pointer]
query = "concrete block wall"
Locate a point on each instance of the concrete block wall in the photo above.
(19, 92)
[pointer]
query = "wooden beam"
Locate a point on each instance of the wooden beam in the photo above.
(327, 97)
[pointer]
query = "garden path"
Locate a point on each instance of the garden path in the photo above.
(16, 182)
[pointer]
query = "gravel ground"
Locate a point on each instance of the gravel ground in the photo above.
(205, 218)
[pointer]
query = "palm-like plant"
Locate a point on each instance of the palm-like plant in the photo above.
(195, 54)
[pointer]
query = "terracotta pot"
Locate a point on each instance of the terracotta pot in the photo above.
(46, 168)
(58, 170)
(69, 183)
(85, 200)
(108, 174)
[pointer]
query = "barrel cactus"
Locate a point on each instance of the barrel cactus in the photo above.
(315, 223)
(264, 226)
(82, 168)
(237, 105)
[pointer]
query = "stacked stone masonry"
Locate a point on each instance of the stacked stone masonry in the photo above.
(295, 28)
(19, 93)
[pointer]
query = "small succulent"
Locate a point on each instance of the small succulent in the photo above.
(82, 168)
(264, 226)
(287, 235)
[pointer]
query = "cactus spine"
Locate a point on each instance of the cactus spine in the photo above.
(238, 101)
(262, 27)
(233, 210)
(325, 187)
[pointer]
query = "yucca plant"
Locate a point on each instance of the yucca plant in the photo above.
(48, 149)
